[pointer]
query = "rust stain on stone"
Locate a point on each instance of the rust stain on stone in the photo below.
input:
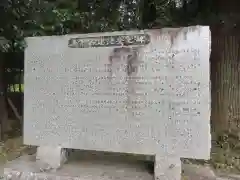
(173, 33)
(128, 58)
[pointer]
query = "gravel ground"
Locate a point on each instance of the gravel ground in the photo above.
(13, 149)
(87, 167)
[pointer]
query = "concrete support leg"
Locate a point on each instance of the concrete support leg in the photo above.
(167, 168)
(55, 157)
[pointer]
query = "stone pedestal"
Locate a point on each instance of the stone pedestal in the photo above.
(167, 168)
(55, 157)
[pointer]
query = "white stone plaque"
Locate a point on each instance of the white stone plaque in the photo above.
(144, 92)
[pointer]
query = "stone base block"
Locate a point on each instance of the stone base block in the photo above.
(167, 168)
(55, 157)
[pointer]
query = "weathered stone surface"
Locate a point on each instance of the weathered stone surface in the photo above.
(167, 168)
(144, 92)
(146, 99)
(55, 157)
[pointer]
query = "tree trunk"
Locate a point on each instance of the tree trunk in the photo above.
(225, 76)
(3, 105)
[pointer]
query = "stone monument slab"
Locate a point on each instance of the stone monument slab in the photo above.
(141, 92)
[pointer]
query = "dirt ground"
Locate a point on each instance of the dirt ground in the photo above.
(12, 149)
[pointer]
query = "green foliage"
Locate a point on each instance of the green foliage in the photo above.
(23, 18)
(32, 18)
